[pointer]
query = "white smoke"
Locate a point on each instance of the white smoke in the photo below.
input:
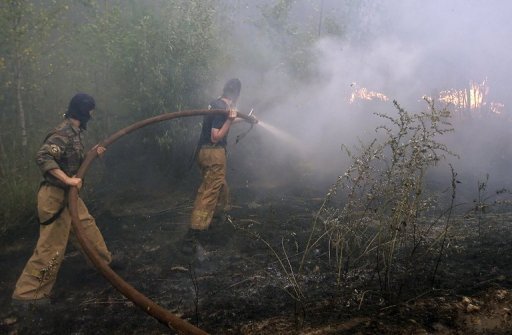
(404, 49)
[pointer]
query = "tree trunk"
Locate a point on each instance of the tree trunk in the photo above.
(3, 158)
(17, 27)
(19, 100)
(321, 17)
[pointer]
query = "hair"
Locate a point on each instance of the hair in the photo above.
(232, 89)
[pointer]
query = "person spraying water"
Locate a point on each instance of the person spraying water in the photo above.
(213, 193)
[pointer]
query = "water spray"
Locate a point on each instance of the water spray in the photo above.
(278, 133)
(282, 135)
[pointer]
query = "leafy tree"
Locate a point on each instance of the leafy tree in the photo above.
(26, 40)
(136, 58)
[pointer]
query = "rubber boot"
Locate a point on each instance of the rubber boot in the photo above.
(203, 244)
(189, 242)
(221, 231)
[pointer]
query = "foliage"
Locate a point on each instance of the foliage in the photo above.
(385, 224)
(286, 35)
(137, 59)
(26, 40)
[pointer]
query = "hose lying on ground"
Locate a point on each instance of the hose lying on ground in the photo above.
(139, 299)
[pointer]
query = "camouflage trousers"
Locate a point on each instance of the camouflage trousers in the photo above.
(40, 272)
(213, 192)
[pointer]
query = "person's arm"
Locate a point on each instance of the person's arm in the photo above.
(63, 177)
(48, 155)
(219, 134)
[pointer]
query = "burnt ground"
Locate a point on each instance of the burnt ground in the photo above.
(240, 287)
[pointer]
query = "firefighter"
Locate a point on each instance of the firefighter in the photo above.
(213, 193)
(59, 158)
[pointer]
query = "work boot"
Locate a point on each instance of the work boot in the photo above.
(118, 262)
(189, 242)
(23, 307)
(221, 231)
(192, 244)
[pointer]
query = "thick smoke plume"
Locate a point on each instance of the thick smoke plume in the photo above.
(402, 49)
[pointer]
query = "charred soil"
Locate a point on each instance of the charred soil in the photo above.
(238, 285)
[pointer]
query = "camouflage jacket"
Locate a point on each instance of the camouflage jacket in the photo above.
(62, 149)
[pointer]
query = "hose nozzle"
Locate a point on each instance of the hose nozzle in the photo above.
(252, 118)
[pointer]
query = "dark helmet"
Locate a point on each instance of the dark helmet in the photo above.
(80, 108)
(232, 89)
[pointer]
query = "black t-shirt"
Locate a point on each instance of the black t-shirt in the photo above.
(214, 121)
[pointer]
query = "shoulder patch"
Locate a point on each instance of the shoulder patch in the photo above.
(54, 150)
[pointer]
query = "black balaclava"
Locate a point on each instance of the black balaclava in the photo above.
(80, 107)
(232, 89)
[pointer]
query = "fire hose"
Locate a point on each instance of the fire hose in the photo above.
(147, 305)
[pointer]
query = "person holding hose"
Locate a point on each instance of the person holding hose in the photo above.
(213, 192)
(59, 159)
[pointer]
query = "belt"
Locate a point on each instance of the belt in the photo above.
(61, 209)
(212, 146)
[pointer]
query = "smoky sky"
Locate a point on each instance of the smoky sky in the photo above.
(403, 49)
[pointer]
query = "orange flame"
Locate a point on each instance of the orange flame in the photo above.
(474, 98)
(469, 98)
(362, 93)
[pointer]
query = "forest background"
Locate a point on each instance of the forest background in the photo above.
(299, 62)
(138, 59)
(325, 74)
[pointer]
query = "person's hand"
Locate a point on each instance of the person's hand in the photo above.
(100, 150)
(232, 114)
(74, 181)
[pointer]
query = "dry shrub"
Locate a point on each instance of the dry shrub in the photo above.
(379, 216)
